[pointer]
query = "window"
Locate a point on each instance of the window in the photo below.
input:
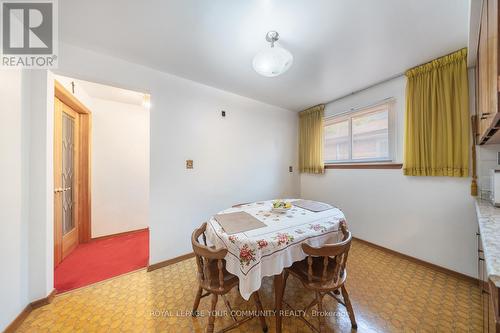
(359, 136)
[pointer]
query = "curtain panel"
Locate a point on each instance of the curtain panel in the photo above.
(437, 126)
(311, 140)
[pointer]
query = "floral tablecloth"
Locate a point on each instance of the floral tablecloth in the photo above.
(266, 251)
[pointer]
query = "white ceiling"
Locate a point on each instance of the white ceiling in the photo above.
(97, 90)
(102, 91)
(339, 46)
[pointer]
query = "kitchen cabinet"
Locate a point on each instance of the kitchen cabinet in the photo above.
(487, 75)
(489, 293)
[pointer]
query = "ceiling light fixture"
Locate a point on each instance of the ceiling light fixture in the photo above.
(274, 60)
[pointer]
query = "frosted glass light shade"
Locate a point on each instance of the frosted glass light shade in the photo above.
(272, 61)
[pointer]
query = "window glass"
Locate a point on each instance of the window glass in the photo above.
(359, 136)
(337, 141)
(370, 136)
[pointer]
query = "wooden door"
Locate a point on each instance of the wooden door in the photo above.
(66, 189)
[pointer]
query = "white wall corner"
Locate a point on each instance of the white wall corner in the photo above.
(38, 103)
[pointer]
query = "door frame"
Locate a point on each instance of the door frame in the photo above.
(84, 162)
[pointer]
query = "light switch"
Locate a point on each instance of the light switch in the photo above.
(189, 164)
(290, 168)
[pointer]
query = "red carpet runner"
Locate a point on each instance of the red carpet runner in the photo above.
(102, 259)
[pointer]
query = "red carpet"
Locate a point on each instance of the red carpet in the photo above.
(102, 259)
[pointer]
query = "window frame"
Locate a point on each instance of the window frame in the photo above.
(357, 112)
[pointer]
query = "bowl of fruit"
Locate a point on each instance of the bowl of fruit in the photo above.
(280, 206)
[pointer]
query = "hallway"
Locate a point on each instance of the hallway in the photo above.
(101, 259)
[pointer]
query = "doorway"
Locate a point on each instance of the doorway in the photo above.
(101, 160)
(71, 173)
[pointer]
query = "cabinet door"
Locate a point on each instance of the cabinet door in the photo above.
(491, 316)
(492, 44)
(482, 82)
(487, 69)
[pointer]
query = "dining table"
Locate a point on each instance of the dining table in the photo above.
(269, 249)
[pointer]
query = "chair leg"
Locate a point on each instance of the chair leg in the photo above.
(211, 317)
(348, 305)
(258, 305)
(285, 278)
(197, 302)
(321, 317)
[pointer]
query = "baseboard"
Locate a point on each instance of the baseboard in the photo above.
(399, 254)
(19, 320)
(170, 261)
(119, 234)
(421, 262)
(27, 310)
(44, 301)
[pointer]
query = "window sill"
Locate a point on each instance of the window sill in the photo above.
(364, 166)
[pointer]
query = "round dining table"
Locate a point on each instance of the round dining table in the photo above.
(267, 250)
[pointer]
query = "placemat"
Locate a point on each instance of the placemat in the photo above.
(313, 206)
(233, 223)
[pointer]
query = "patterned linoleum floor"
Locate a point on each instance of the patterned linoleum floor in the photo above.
(389, 294)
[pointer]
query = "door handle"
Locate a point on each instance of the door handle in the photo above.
(60, 189)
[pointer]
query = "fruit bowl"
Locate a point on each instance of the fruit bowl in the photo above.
(280, 206)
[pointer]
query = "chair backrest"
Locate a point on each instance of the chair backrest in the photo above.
(205, 257)
(334, 261)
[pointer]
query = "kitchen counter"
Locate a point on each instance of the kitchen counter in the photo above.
(488, 217)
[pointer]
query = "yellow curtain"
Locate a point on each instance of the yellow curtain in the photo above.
(311, 140)
(437, 118)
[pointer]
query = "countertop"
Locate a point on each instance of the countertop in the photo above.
(488, 217)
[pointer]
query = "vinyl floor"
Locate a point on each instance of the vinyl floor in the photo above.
(388, 292)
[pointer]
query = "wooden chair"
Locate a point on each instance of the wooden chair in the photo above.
(324, 272)
(217, 281)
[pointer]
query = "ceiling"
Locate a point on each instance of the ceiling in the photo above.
(102, 91)
(97, 90)
(339, 46)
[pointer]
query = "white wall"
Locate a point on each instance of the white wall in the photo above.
(486, 161)
(120, 167)
(14, 235)
(27, 190)
(429, 218)
(38, 105)
(243, 157)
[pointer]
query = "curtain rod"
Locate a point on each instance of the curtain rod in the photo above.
(395, 76)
